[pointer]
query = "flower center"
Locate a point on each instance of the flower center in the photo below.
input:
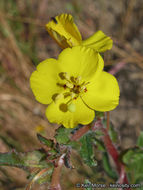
(74, 85)
(73, 88)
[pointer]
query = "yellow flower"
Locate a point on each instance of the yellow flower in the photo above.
(63, 29)
(74, 86)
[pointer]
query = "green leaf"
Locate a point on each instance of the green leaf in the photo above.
(11, 159)
(24, 160)
(140, 140)
(107, 167)
(74, 144)
(86, 150)
(99, 144)
(45, 141)
(99, 114)
(88, 183)
(112, 131)
(63, 135)
(133, 158)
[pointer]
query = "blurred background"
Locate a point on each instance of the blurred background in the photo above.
(24, 42)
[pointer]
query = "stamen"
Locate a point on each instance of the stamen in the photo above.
(78, 79)
(73, 79)
(83, 88)
(58, 97)
(69, 84)
(73, 95)
(73, 86)
(64, 76)
(71, 107)
(66, 94)
(65, 86)
(86, 83)
(63, 107)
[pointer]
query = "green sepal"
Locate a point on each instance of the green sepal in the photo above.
(45, 141)
(63, 135)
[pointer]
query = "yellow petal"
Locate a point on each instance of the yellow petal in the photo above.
(44, 81)
(103, 93)
(81, 115)
(81, 62)
(99, 42)
(63, 29)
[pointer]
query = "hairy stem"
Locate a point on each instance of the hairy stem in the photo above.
(55, 183)
(112, 151)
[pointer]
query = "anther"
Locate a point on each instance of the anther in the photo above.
(70, 85)
(65, 86)
(66, 76)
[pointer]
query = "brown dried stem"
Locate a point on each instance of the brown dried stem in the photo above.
(36, 177)
(13, 43)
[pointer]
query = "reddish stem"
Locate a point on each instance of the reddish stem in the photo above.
(112, 151)
(78, 134)
(117, 68)
(55, 183)
(111, 148)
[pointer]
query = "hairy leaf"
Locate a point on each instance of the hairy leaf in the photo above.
(133, 158)
(63, 135)
(86, 150)
(107, 167)
(35, 158)
(45, 141)
(112, 131)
